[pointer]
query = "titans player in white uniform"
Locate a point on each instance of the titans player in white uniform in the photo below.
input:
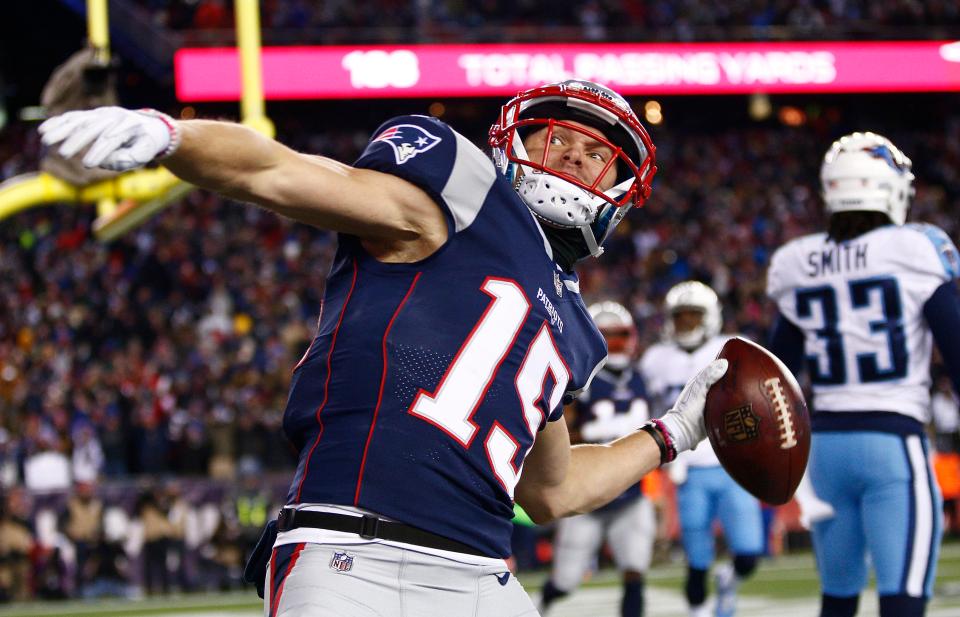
(705, 492)
(452, 331)
(613, 406)
(860, 307)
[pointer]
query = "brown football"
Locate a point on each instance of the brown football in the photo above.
(758, 423)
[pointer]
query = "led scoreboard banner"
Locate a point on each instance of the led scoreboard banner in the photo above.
(213, 74)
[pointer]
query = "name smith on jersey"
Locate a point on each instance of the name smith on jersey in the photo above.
(837, 258)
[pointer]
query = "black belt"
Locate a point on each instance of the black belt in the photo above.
(369, 527)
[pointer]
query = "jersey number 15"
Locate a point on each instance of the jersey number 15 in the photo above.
(451, 406)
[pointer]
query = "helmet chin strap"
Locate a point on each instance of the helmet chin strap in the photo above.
(595, 249)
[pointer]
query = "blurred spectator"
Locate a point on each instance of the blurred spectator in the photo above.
(180, 513)
(946, 446)
(250, 445)
(83, 526)
(109, 563)
(9, 472)
(54, 555)
(157, 531)
(47, 468)
(199, 541)
(152, 444)
(223, 445)
(253, 510)
(16, 546)
(946, 416)
(227, 556)
(87, 459)
(193, 450)
(113, 441)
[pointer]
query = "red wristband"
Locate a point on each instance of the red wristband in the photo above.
(656, 429)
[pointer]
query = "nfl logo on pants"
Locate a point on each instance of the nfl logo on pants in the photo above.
(341, 562)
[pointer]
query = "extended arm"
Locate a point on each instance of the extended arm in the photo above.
(560, 480)
(942, 312)
(238, 162)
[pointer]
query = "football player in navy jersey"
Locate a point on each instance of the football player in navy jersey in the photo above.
(452, 331)
(860, 307)
(613, 406)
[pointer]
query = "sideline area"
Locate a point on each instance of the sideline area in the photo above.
(785, 586)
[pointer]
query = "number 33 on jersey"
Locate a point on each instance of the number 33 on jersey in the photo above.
(860, 305)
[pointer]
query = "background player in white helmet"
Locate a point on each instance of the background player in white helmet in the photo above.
(452, 330)
(611, 407)
(705, 492)
(860, 306)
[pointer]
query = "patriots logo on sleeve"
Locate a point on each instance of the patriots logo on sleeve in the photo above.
(407, 141)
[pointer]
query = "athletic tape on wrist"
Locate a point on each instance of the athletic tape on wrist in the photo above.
(172, 128)
(656, 429)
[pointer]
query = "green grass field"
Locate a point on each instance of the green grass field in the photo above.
(785, 586)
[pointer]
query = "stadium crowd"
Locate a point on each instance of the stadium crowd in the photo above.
(597, 18)
(167, 353)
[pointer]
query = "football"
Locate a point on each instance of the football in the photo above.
(758, 423)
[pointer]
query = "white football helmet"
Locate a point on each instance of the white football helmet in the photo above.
(558, 198)
(616, 324)
(865, 171)
(692, 295)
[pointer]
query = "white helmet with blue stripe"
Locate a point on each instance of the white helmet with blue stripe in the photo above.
(865, 171)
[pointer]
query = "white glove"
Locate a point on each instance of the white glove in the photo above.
(684, 421)
(122, 139)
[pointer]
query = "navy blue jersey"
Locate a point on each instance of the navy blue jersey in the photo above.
(614, 405)
(427, 382)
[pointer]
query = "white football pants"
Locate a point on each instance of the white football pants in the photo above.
(629, 530)
(377, 580)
